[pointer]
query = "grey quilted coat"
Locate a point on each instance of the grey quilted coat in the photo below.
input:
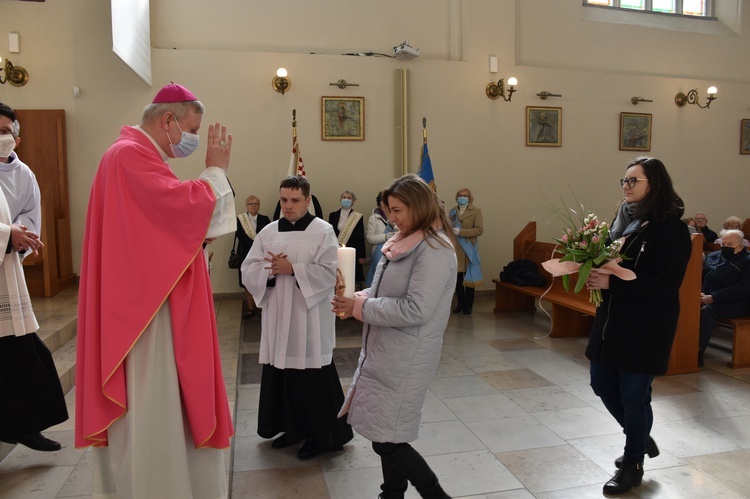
(405, 317)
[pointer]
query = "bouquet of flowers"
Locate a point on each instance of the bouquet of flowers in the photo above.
(584, 247)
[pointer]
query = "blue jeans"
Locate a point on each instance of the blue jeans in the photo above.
(627, 396)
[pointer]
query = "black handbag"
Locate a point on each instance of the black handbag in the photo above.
(234, 257)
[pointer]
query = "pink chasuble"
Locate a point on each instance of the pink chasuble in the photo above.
(143, 245)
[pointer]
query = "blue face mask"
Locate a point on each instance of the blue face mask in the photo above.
(187, 146)
(346, 203)
(463, 200)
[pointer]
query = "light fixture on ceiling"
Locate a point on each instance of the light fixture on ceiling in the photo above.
(544, 94)
(281, 83)
(15, 75)
(495, 90)
(692, 98)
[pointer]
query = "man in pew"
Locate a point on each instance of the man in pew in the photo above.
(726, 286)
(701, 223)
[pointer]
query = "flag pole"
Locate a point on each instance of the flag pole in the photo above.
(424, 130)
(294, 127)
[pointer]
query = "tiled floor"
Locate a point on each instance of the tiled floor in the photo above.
(509, 415)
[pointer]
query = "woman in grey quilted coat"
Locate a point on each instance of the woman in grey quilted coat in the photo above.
(404, 314)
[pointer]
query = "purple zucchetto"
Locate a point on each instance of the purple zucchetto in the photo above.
(173, 93)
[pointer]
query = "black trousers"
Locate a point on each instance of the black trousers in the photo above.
(31, 396)
(465, 295)
(402, 464)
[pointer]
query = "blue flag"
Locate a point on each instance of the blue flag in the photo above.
(425, 168)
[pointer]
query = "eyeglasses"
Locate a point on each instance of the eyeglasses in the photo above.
(631, 181)
(254, 204)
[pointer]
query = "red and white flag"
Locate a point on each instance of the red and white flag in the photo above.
(296, 165)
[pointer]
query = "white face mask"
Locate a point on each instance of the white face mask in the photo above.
(7, 144)
(187, 146)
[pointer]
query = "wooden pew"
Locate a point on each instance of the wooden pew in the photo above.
(740, 341)
(572, 314)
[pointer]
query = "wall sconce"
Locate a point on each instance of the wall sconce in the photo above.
(636, 100)
(497, 90)
(15, 75)
(280, 82)
(544, 94)
(692, 98)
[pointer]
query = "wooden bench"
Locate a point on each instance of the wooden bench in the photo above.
(740, 341)
(572, 314)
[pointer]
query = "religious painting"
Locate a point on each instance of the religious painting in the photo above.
(343, 118)
(635, 132)
(543, 126)
(745, 137)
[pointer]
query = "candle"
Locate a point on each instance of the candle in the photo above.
(347, 258)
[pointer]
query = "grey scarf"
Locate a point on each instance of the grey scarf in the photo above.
(624, 222)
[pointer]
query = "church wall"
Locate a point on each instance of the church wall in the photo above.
(227, 51)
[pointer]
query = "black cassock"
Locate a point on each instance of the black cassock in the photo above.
(302, 402)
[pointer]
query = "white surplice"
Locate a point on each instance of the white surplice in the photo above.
(19, 203)
(298, 326)
(164, 435)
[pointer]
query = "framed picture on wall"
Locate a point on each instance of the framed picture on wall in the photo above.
(635, 132)
(343, 118)
(543, 126)
(745, 137)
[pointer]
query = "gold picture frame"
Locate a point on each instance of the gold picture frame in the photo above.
(635, 132)
(745, 136)
(543, 126)
(343, 118)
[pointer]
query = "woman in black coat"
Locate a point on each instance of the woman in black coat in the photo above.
(635, 325)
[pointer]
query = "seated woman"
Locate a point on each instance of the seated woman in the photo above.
(732, 223)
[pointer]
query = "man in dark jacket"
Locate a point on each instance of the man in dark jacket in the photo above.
(726, 287)
(701, 223)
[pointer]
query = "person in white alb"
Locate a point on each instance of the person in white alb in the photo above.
(31, 397)
(291, 271)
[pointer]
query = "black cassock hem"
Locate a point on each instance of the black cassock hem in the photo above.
(31, 397)
(304, 404)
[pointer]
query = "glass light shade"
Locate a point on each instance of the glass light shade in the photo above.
(711, 90)
(512, 81)
(281, 73)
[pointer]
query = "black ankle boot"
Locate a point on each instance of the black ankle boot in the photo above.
(651, 449)
(437, 492)
(628, 476)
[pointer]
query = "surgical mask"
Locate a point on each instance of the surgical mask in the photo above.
(727, 252)
(7, 144)
(346, 203)
(463, 200)
(187, 146)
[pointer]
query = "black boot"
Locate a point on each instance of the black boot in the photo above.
(628, 476)
(651, 449)
(437, 492)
